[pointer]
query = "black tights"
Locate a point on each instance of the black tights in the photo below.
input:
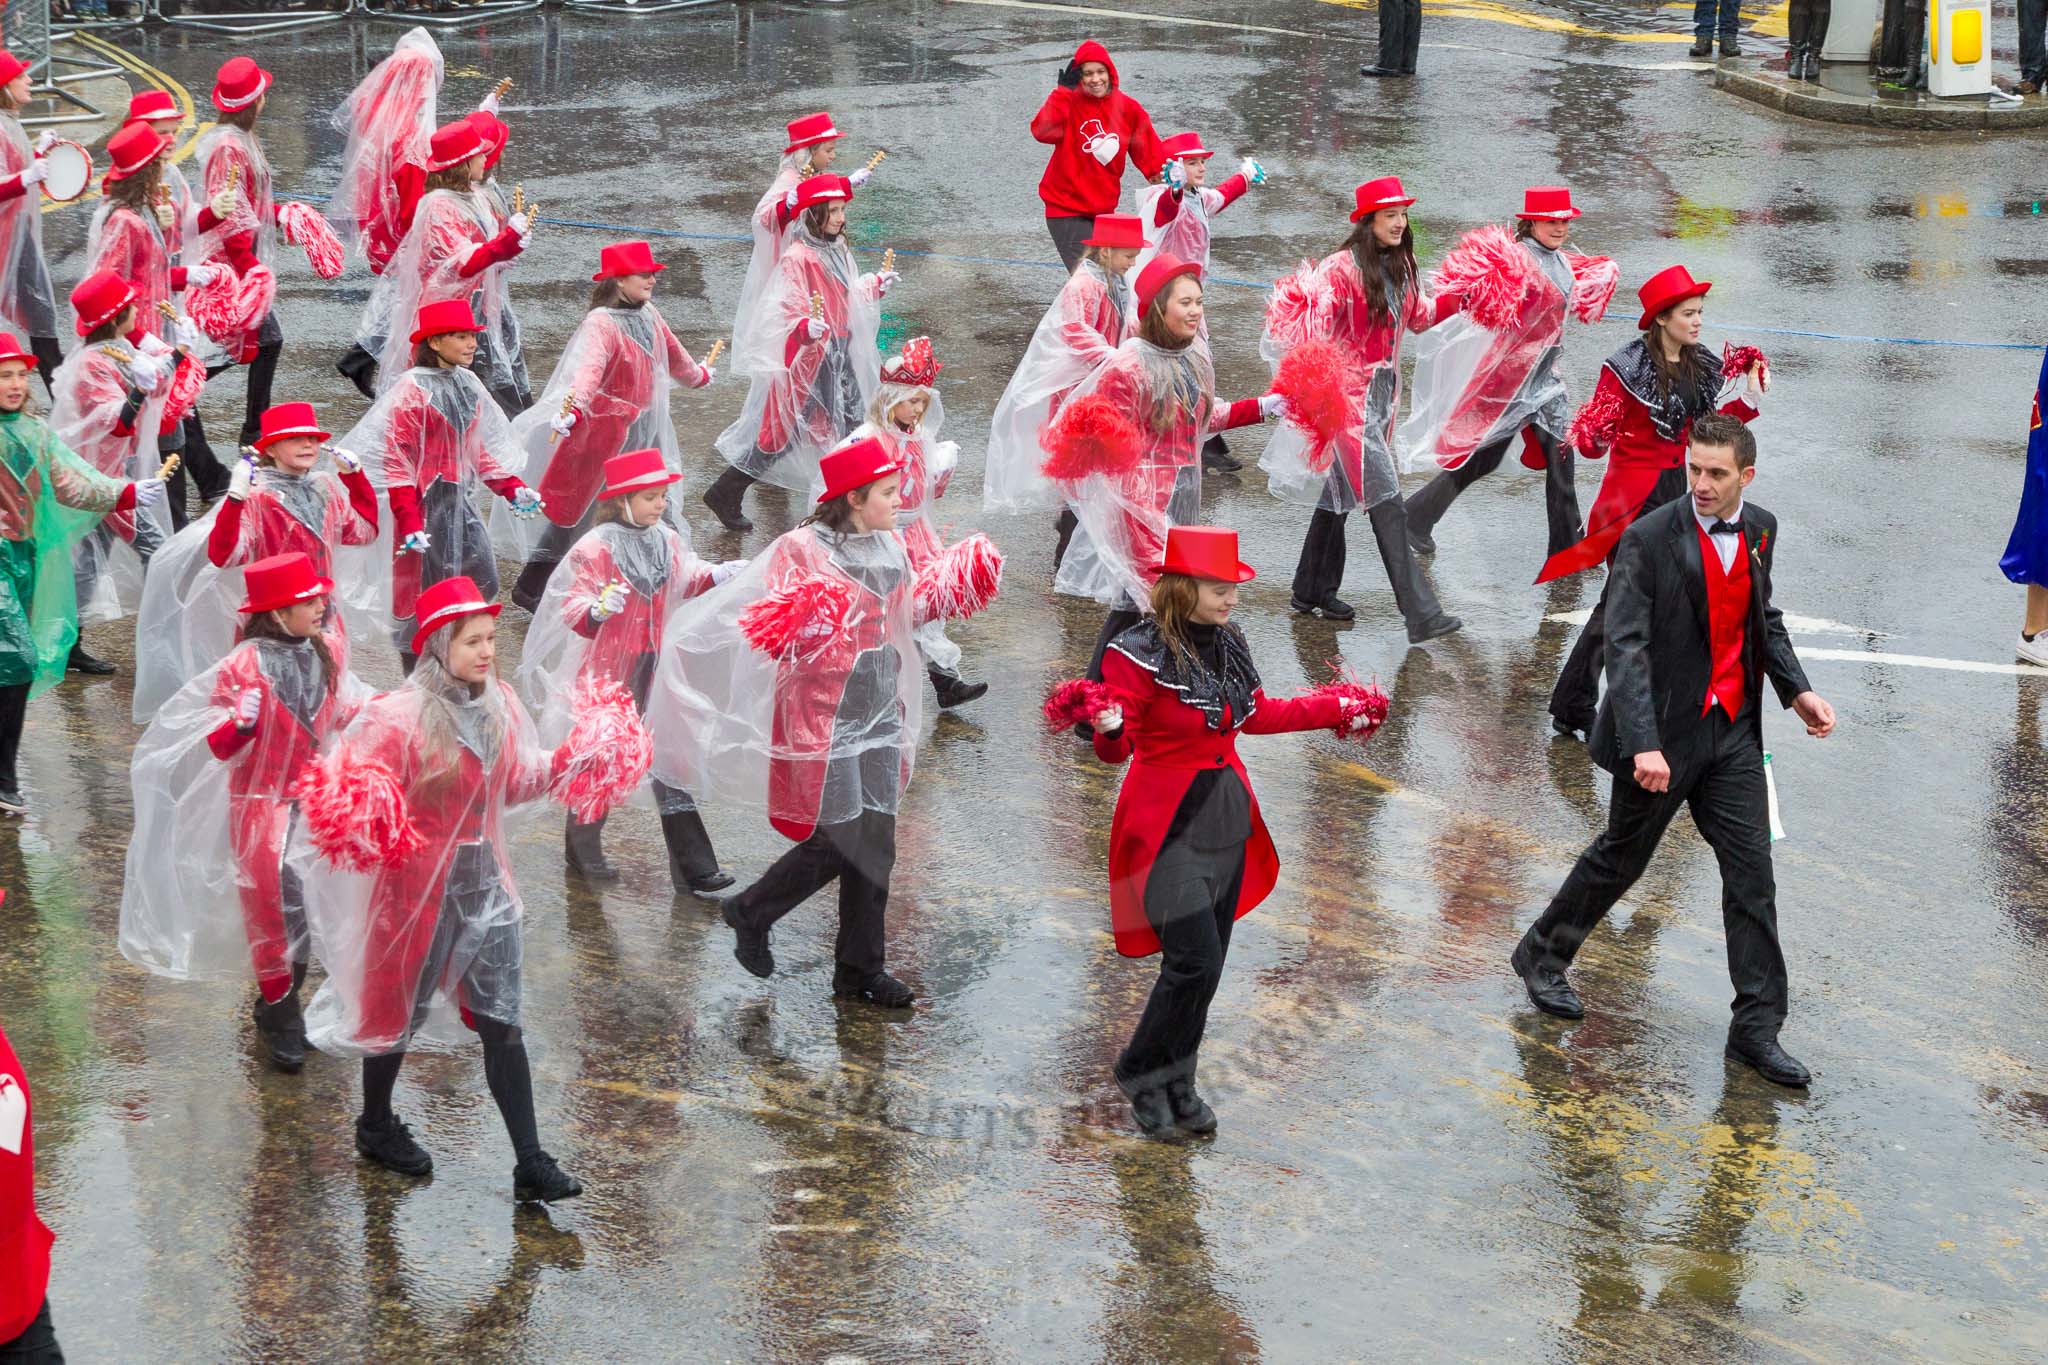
(506, 1071)
(13, 713)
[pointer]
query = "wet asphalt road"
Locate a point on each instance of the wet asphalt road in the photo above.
(1413, 1165)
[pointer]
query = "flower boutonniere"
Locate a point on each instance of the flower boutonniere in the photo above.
(1763, 545)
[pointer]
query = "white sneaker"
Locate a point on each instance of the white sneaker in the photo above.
(2034, 651)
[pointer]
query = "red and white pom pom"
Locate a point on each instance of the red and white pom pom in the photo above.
(1593, 281)
(1301, 306)
(231, 304)
(1324, 388)
(1596, 424)
(355, 813)
(807, 610)
(962, 581)
(1090, 436)
(608, 752)
(1736, 360)
(1077, 701)
(186, 382)
(1490, 273)
(302, 225)
(1359, 700)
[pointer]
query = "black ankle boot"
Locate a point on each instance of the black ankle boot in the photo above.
(282, 1032)
(1150, 1108)
(750, 945)
(531, 583)
(723, 498)
(389, 1143)
(953, 690)
(1191, 1113)
(359, 368)
(540, 1179)
(1216, 456)
(874, 988)
(692, 862)
(82, 662)
(583, 851)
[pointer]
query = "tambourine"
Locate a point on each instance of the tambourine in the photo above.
(67, 170)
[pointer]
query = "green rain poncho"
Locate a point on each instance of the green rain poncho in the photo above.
(49, 499)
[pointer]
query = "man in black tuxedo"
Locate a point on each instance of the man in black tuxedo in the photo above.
(1690, 641)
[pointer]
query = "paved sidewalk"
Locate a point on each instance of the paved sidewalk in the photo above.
(1845, 94)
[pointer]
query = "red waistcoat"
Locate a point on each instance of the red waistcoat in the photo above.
(1727, 624)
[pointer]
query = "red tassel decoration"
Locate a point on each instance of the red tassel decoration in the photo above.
(1596, 424)
(1359, 697)
(962, 581)
(1301, 307)
(806, 612)
(1077, 702)
(1090, 436)
(1324, 388)
(609, 752)
(1491, 273)
(1593, 281)
(355, 813)
(231, 304)
(303, 226)
(186, 382)
(1736, 360)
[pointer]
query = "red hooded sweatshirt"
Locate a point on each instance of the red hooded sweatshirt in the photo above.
(1075, 184)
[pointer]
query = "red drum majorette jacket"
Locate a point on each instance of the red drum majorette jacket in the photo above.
(614, 385)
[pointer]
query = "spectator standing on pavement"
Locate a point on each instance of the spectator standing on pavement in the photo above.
(1094, 128)
(1400, 36)
(2026, 553)
(1704, 24)
(2033, 15)
(1806, 32)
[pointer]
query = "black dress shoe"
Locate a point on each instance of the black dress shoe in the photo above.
(1149, 1107)
(953, 690)
(711, 884)
(750, 945)
(82, 662)
(540, 1179)
(1570, 729)
(1333, 606)
(1379, 71)
(13, 802)
(1703, 48)
(1768, 1060)
(1420, 540)
(873, 988)
(1548, 990)
(390, 1145)
(1191, 1113)
(1441, 624)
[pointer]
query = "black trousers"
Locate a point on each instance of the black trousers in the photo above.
(13, 714)
(1723, 784)
(208, 474)
(1400, 34)
(1320, 570)
(860, 853)
(1067, 236)
(37, 1345)
(1191, 903)
(1577, 694)
(1807, 25)
(1116, 623)
(1560, 495)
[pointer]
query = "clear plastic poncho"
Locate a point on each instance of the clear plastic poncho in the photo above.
(388, 120)
(1082, 329)
(50, 500)
(135, 247)
(1186, 234)
(928, 465)
(815, 735)
(797, 411)
(622, 365)
(224, 150)
(506, 340)
(28, 300)
(207, 895)
(427, 268)
(1120, 543)
(90, 391)
(190, 616)
(756, 346)
(413, 950)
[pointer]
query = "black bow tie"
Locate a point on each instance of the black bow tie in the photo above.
(1725, 528)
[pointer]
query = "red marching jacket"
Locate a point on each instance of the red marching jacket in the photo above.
(614, 387)
(143, 255)
(618, 642)
(1167, 741)
(24, 1240)
(804, 275)
(1374, 341)
(1075, 184)
(422, 446)
(264, 525)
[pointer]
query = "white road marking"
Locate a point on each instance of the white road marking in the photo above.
(805, 1163)
(1922, 661)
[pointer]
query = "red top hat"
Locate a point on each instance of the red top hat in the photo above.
(146, 106)
(99, 299)
(437, 319)
(1118, 230)
(12, 349)
(1547, 201)
(452, 144)
(916, 365)
(1667, 288)
(810, 130)
(494, 132)
(1183, 145)
(240, 84)
(288, 419)
(449, 600)
(281, 580)
(1206, 552)
(855, 465)
(822, 189)
(134, 147)
(626, 258)
(634, 471)
(1383, 193)
(1154, 277)
(10, 66)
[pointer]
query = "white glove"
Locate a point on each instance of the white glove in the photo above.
(1357, 721)
(525, 503)
(154, 345)
(611, 600)
(45, 142)
(144, 372)
(723, 573)
(416, 544)
(1272, 405)
(149, 492)
(489, 104)
(185, 333)
(1109, 720)
(240, 480)
(789, 200)
(877, 285)
(816, 329)
(945, 454)
(199, 276)
(346, 460)
(1252, 171)
(36, 173)
(165, 215)
(1106, 148)
(520, 224)
(247, 709)
(222, 203)
(562, 422)
(859, 177)
(709, 375)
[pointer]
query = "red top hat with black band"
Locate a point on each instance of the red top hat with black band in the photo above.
(1206, 552)
(626, 258)
(131, 149)
(449, 600)
(634, 472)
(822, 189)
(99, 299)
(147, 106)
(1668, 288)
(10, 66)
(288, 419)
(1157, 274)
(1383, 193)
(1548, 201)
(438, 319)
(809, 131)
(12, 349)
(281, 581)
(1183, 145)
(1122, 230)
(493, 131)
(856, 465)
(240, 84)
